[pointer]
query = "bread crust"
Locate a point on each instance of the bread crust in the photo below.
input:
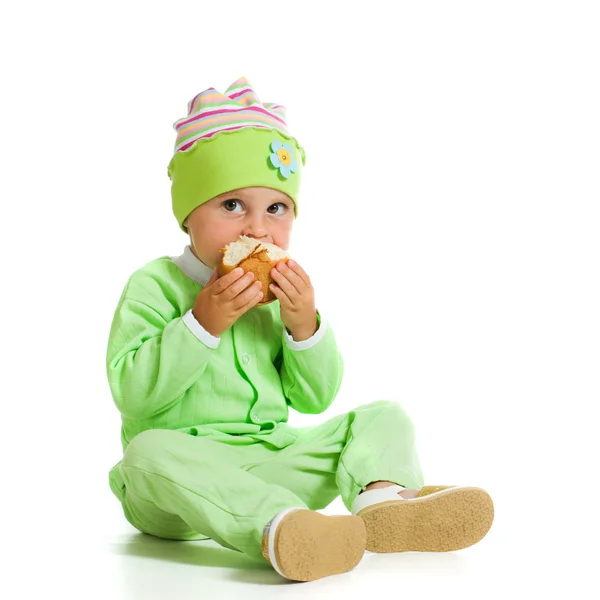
(259, 263)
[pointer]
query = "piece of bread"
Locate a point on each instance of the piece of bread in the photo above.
(255, 256)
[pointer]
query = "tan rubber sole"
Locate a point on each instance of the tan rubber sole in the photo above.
(449, 520)
(310, 545)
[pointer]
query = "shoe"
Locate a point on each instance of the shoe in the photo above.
(439, 519)
(304, 545)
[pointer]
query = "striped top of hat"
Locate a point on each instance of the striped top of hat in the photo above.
(211, 112)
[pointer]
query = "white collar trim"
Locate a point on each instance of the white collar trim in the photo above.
(192, 266)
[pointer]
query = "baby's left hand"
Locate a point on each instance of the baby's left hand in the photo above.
(296, 299)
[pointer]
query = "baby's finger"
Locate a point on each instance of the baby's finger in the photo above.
(252, 294)
(225, 281)
(238, 286)
(250, 304)
(288, 280)
(292, 264)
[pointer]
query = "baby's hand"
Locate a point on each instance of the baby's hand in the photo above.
(296, 299)
(223, 300)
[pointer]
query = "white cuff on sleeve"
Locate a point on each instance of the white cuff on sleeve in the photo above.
(311, 341)
(210, 340)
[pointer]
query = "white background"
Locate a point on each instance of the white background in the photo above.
(448, 218)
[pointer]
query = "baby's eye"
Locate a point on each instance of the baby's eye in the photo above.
(229, 202)
(229, 206)
(278, 204)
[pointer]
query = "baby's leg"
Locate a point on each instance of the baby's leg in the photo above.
(347, 454)
(187, 487)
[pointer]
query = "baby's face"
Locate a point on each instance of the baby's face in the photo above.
(261, 213)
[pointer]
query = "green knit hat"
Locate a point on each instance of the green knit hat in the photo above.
(230, 141)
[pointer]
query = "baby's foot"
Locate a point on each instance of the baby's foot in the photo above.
(408, 493)
(304, 545)
(383, 484)
(441, 518)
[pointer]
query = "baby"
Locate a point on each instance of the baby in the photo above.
(204, 378)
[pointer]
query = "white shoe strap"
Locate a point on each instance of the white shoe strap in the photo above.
(376, 496)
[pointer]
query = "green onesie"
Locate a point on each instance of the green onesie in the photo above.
(207, 449)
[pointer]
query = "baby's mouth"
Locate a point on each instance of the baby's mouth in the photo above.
(263, 241)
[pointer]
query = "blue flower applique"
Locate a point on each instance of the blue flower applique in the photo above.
(283, 159)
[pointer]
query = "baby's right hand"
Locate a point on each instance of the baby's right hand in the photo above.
(223, 300)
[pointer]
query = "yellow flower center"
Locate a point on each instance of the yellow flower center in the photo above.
(284, 157)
